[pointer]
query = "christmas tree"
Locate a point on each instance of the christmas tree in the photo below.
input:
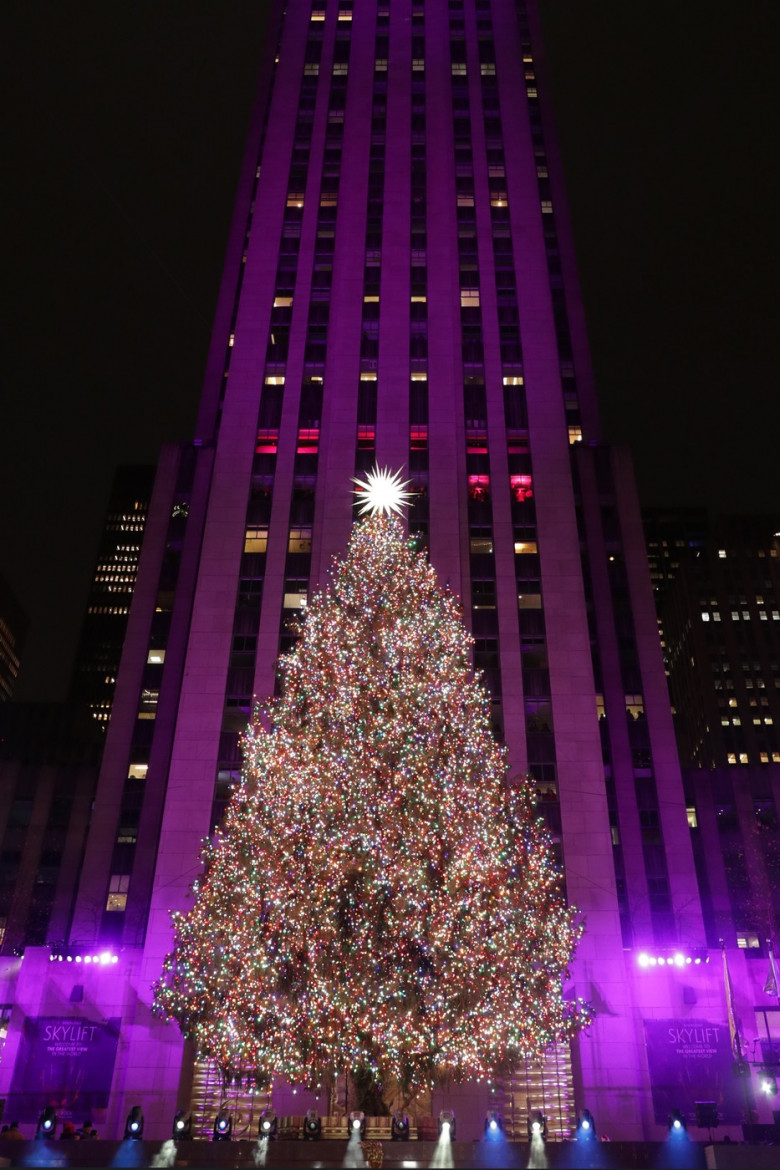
(380, 900)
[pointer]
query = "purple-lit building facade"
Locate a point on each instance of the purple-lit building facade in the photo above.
(399, 289)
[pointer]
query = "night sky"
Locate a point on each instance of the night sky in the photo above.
(125, 128)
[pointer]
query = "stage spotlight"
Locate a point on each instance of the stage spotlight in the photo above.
(767, 1082)
(182, 1125)
(269, 1124)
(677, 1126)
(537, 1126)
(447, 1124)
(586, 1126)
(357, 1123)
(312, 1126)
(493, 1124)
(399, 1127)
(47, 1122)
(223, 1126)
(134, 1125)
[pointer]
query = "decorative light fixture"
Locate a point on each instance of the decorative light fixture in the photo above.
(182, 1125)
(134, 1125)
(47, 1122)
(399, 1127)
(447, 1124)
(312, 1126)
(223, 1126)
(269, 1124)
(536, 1126)
(357, 1122)
(767, 1082)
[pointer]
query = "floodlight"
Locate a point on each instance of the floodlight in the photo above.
(447, 1124)
(536, 1126)
(223, 1126)
(134, 1125)
(493, 1125)
(767, 1082)
(47, 1122)
(182, 1125)
(677, 1126)
(357, 1123)
(586, 1126)
(269, 1124)
(399, 1127)
(312, 1126)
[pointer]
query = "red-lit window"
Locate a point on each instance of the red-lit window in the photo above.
(476, 443)
(308, 441)
(267, 442)
(418, 438)
(479, 487)
(522, 487)
(517, 442)
(366, 438)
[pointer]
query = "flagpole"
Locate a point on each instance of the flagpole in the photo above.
(736, 1040)
(772, 973)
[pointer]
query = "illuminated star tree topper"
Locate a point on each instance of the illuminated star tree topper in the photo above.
(382, 492)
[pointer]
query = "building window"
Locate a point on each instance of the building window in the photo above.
(693, 820)
(294, 601)
(117, 892)
(299, 541)
(137, 771)
(256, 540)
(748, 941)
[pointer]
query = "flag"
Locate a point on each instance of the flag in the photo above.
(736, 1047)
(771, 985)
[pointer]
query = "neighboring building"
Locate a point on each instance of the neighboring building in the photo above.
(722, 626)
(400, 288)
(673, 536)
(13, 631)
(49, 757)
(108, 605)
(734, 821)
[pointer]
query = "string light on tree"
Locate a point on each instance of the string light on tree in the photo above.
(380, 900)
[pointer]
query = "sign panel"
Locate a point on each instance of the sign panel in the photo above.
(689, 1061)
(65, 1061)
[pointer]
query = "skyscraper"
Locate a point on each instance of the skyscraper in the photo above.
(400, 289)
(13, 630)
(113, 580)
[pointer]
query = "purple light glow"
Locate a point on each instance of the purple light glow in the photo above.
(677, 959)
(103, 959)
